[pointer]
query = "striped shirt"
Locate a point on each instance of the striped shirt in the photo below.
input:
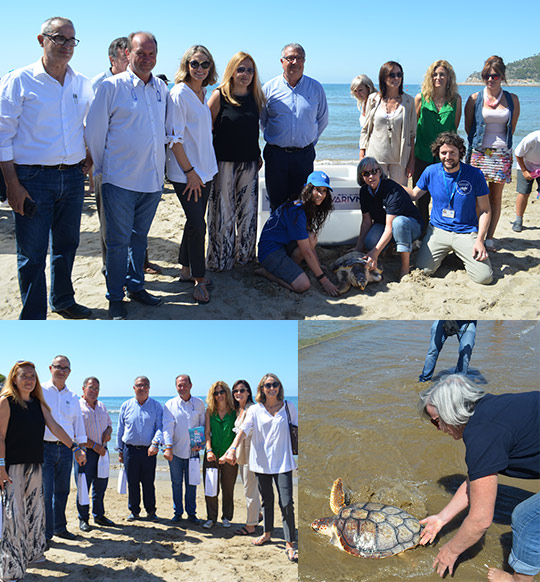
(96, 420)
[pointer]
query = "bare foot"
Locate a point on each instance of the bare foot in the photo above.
(497, 575)
(200, 293)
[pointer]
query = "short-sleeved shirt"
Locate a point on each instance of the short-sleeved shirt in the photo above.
(456, 191)
(389, 198)
(503, 436)
(287, 223)
(222, 432)
(529, 149)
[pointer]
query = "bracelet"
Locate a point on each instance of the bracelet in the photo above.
(93, 445)
(76, 450)
(232, 448)
(321, 276)
(2, 462)
(188, 171)
(74, 446)
(209, 451)
(167, 447)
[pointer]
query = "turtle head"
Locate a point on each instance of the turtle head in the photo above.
(339, 498)
(323, 525)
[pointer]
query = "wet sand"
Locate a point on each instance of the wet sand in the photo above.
(358, 394)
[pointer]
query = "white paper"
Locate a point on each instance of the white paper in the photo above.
(103, 466)
(1, 515)
(194, 471)
(82, 490)
(210, 485)
(122, 481)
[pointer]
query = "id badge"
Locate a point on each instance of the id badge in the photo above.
(448, 213)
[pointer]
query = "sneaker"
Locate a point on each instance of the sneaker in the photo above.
(84, 526)
(208, 524)
(132, 516)
(117, 310)
(226, 522)
(517, 225)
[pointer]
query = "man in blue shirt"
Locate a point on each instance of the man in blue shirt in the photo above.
(456, 190)
(293, 119)
(138, 438)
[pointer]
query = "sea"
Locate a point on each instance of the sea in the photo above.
(339, 142)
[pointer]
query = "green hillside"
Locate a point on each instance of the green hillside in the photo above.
(525, 71)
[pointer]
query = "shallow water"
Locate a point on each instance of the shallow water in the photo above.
(358, 392)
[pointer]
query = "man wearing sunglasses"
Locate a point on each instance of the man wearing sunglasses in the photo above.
(179, 415)
(125, 132)
(293, 119)
(44, 161)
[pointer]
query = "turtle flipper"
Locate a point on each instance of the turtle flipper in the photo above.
(337, 496)
(344, 283)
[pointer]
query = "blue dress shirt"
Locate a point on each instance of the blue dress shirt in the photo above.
(294, 116)
(139, 424)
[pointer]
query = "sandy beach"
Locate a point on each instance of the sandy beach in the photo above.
(241, 294)
(162, 552)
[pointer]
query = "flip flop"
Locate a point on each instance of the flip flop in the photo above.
(190, 279)
(294, 555)
(258, 541)
(244, 532)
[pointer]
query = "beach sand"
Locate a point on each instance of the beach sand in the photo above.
(152, 552)
(240, 294)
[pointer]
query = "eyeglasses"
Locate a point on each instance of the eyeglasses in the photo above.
(242, 70)
(435, 422)
(368, 173)
(61, 368)
(494, 77)
(295, 59)
(195, 64)
(220, 392)
(269, 385)
(239, 391)
(62, 40)
(395, 75)
(142, 385)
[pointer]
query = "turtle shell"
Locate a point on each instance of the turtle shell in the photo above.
(376, 530)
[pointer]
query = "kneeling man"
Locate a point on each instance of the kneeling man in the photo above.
(456, 191)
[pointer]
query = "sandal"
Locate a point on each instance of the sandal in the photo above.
(244, 532)
(261, 541)
(190, 279)
(294, 556)
(201, 297)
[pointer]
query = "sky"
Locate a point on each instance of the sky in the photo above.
(342, 39)
(117, 352)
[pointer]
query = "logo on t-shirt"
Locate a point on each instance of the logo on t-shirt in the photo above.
(464, 187)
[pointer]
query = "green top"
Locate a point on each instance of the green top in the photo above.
(430, 124)
(222, 432)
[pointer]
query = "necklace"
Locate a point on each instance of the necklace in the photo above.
(492, 102)
(390, 118)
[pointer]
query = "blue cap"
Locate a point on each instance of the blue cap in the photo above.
(319, 179)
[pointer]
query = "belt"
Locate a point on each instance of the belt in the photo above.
(291, 149)
(139, 447)
(55, 443)
(57, 167)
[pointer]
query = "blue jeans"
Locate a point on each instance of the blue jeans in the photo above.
(525, 555)
(180, 472)
(57, 462)
(128, 217)
(59, 195)
(99, 486)
(405, 230)
(140, 471)
(466, 336)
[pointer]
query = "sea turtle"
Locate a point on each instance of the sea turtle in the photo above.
(368, 530)
(352, 269)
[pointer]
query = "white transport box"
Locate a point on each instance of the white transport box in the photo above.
(343, 225)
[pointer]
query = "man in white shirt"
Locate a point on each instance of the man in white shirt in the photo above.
(44, 161)
(98, 428)
(57, 458)
(125, 133)
(179, 415)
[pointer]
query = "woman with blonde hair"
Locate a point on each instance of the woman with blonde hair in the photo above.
(361, 88)
(271, 457)
(23, 417)
(491, 116)
(438, 108)
(219, 431)
(191, 162)
(232, 212)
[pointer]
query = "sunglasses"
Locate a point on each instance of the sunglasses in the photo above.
(195, 64)
(239, 391)
(219, 392)
(271, 385)
(242, 70)
(368, 173)
(494, 77)
(395, 75)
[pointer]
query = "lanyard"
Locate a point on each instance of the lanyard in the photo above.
(452, 192)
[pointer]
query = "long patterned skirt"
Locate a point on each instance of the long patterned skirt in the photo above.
(23, 538)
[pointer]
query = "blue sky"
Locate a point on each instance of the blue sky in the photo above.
(342, 38)
(116, 352)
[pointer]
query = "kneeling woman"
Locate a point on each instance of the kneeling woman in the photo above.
(387, 211)
(290, 236)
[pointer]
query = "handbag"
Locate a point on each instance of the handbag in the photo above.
(293, 431)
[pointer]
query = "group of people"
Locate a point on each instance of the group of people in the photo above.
(44, 426)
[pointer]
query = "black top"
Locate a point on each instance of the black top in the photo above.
(236, 130)
(24, 436)
(390, 198)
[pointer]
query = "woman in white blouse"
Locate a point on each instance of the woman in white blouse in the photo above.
(271, 457)
(191, 161)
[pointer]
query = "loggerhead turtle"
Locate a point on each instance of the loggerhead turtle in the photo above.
(368, 530)
(352, 269)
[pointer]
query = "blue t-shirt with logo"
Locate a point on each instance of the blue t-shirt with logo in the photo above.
(457, 192)
(287, 223)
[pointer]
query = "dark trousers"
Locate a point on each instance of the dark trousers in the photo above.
(140, 470)
(422, 203)
(286, 172)
(284, 485)
(192, 246)
(226, 480)
(99, 486)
